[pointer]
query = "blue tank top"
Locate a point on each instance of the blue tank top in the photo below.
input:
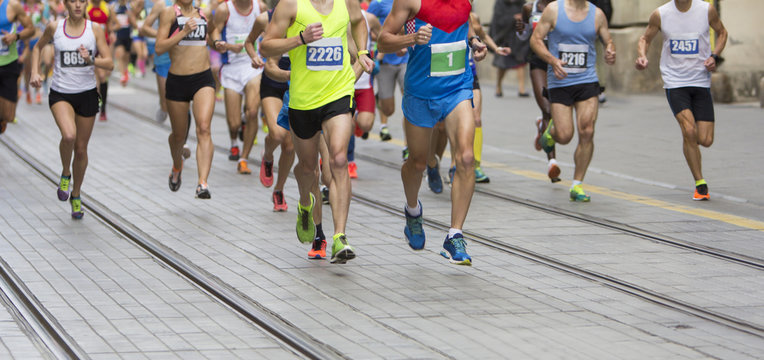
(122, 18)
(440, 67)
(573, 42)
(8, 53)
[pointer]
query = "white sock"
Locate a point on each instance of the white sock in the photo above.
(415, 211)
(384, 126)
(234, 142)
(576, 183)
(552, 161)
(452, 232)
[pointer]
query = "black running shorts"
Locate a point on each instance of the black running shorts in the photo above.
(268, 90)
(568, 95)
(9, 76)
(85, 104)
(184, 87)
(306, 123)
(696, 99)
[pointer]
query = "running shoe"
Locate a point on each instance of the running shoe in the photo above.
(545, 140)
(434, 181)
(353, 170)
(242, 167)
(160, 116)
(102, 117)
(233, 154)
(29, 97)
(454, 249)
(186, 152)
(701, 193)
(306, 228)
(414, 231)
(358, 132)
(3, 125)
(341, 250)
(553, 172)
(480, 176)
(539, 131)
(577, 194)
(279, 203)
(384, 134)
(174, 186)
(38, 99)
(451, 173)
(365, 135)
(325, 194)
(63, 187)
(405, 154)
(124, 78)
(318, 250)
(266, 172)
(203, 192)
(77, 212)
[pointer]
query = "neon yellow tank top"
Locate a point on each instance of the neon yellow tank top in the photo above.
(321, 71)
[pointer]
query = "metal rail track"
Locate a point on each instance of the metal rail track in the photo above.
(249, 309)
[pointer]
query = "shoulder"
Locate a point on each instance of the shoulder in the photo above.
(474, 17)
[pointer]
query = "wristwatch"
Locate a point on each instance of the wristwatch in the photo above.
(716, 57)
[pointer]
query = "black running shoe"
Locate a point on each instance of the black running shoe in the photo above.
(202, 192)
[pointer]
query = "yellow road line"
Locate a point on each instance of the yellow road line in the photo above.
(708, 214)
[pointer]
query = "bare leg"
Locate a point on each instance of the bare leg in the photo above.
(204, 105)
(460, 127)
(337, 132)
(586, 117)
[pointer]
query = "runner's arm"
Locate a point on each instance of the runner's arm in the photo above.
(480, 32)
(605, 38)
(103, 60)
(35, 79)
(164, 41)
(391, 39)
(261, 22)
(218, 22)
(653, 26)
(274, 41)
(24, 19)
(721, 38)
(273, 70)
(544, 26)
(147, 29)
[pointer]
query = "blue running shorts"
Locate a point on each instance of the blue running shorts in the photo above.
(283, 119)
(428, 112)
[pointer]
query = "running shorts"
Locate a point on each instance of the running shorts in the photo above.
(9, 76)
(696, 99)
(306, 123)
(184, 87)
(568, 95)
(364, 99)
(428, 112)
(387, 77)
(84, 104)
(237, 76)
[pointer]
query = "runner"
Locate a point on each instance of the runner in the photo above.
(34, 10)
(240, 74)
(438, 87)
(686, 64)
(11, 11)
(573, 27)
(126, 22)
(392, 70)
(99, 12)
(321, 87)
(73, 96)
(273, 86)
(531, 15)
(183, 33)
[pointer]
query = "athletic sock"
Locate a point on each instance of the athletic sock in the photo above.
(701, 186)
(104, 89)
(415, 211)
(552, 162)
(701, 182)
(319, 232)
(477, 147)
(452, 232)
(234, 142)
(576, 183)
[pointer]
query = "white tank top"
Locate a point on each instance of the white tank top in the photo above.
(71, 74)
(237, 29)
(686, 45)
(364, 81)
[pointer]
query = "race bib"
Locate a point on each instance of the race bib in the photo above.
(4, 50)
(239, 39)
(448, 59)
(575, 57)
(325, 54)
(197, 37)
(123, 20)
(70, 59)
(684, 45)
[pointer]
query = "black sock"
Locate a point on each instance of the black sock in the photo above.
(104, 90)
(133, 57)
(319, 233)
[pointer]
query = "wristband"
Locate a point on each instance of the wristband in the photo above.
(303, 39)
(18, 36)
(716, 57)
(363, 52)
(474, 37)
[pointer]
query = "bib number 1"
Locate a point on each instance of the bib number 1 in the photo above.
(448, 59)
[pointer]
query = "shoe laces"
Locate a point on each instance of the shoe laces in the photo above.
(459, 245)
(64, 183)
(414, 224)
(76, 205)
(318, 244)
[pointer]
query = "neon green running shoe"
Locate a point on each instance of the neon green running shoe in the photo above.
(341, 250)
(545, 140)
(77, 212)
(306, 228)
(577, 194)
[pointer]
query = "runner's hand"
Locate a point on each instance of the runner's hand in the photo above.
(423, 35)
(479, 50)
(8, 38)
(189, 26)
(559, 72)
(85, 54)
(402, 52)
(610, 56)
(235, 48)
(503, 50)
(35, 80)
(641, 63)
(367, 63)
(257, 62)
(710, 64)
(313, 32)
(220, 46)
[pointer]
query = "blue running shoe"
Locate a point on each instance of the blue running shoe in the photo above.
(414, 231)
(434, 180)
(454, 250)
(451, 173)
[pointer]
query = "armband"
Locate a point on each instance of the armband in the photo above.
(363, 52)
(303, 39)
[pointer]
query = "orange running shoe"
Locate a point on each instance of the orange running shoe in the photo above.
(266, 172)
(539, 131)
(29, 97)
(318, 251)
(279, 203)
(353, 170)
(38, 99)
(701, 193)
(242, 167)
(553, 172)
